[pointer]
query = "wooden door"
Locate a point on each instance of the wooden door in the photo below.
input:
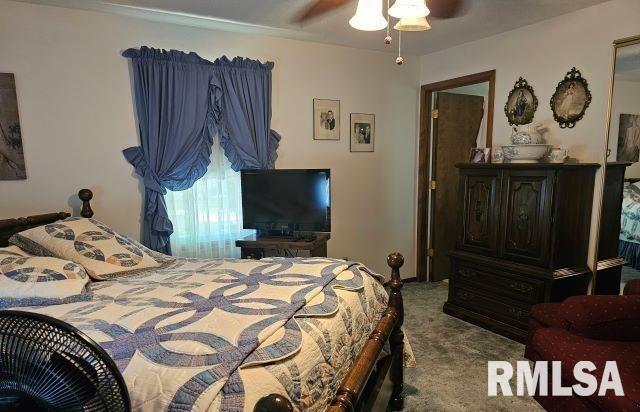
(480, 215)
(526, 220)
(455, 132)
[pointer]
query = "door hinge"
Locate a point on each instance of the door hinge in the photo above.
(435, 113)
(431, 253)
(432, 184)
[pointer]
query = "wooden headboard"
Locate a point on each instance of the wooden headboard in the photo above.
(10, 227)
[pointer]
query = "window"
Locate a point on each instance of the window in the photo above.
(207, 219)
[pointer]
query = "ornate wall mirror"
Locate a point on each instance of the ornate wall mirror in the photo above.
(618, 253)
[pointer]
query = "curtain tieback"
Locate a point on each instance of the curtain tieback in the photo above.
(150, 179)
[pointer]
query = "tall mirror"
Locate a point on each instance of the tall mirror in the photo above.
(619, 241)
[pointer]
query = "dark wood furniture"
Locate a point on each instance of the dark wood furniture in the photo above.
(253, 247)
(609, 270)
(523, 239)
(362, 384)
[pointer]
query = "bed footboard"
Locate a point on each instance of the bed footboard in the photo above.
(351, 393)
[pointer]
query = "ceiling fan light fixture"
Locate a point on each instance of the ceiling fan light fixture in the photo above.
(404, 9)
(369, 16)
(418, 24)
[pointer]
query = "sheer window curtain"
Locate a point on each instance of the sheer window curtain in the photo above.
(207, 218)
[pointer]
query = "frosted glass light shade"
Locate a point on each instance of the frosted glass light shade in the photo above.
(406, 9)
(419, 24)
(369, 16)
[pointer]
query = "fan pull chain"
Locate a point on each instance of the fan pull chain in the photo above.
(400, 59)
(388, 39)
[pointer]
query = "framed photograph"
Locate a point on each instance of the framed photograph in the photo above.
(363, 132)
(326, 119)
(479, 155)
(629, 138)
(522, 103)
(571, 99)
(12, 165)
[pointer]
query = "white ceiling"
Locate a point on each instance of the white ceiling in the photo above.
(273, 17)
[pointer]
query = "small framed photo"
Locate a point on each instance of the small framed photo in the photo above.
(479, 155)
(326, 119)
(363, 132)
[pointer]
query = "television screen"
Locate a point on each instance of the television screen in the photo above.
(287, 200)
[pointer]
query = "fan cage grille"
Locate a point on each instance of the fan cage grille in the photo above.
(56, 366)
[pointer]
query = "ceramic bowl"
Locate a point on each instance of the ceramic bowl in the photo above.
(525, 153)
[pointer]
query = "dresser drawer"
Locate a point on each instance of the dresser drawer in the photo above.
(504, 310)
(517, 287)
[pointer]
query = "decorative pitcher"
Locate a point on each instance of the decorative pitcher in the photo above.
(526, 134)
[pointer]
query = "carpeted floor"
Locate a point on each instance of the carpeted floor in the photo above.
(452, 358)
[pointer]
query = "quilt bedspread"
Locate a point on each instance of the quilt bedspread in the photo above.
(217, 335)
(630, 222)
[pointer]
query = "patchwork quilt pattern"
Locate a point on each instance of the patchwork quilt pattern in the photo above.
(630, 224)
(217, 335)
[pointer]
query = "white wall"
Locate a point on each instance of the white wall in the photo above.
(77, 115)
(543, 53)
(626, 100)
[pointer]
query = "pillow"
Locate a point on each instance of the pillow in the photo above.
(103, 253)
(37, 281)
(13, 250)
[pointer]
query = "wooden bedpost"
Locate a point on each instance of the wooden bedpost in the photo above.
(396, 341)
(86, 195)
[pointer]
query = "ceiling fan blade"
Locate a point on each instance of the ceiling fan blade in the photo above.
(446, 9)
(319, 8)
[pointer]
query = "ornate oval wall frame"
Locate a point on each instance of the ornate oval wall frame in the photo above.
(571, 99)
(522, 103)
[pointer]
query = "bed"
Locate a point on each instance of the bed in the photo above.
(239, 335)
(630, 223)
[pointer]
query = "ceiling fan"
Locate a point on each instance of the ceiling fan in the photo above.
(411, 15)
(441, 9)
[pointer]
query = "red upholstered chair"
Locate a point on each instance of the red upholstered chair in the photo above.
(590, 328)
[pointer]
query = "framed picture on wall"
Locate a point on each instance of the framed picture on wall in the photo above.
(326, 119)
(12, 166)
(363, 132)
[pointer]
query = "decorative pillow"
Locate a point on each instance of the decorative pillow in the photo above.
(13, 250)
(37, 281)
(103, 253)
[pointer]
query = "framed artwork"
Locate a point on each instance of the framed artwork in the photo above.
(522, 103)
(629, 138)
(571, 99)
(363, 132)
(326, 119)
(479, 155)
(12, 165)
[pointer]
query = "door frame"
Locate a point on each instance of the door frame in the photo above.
(424, 166)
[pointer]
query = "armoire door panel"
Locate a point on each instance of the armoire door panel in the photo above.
(526, 216)
(480, 211)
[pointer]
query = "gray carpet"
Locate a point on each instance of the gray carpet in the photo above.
(452, 358)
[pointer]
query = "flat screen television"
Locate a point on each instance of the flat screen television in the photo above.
(282, 202)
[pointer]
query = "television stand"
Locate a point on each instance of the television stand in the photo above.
(253, 247)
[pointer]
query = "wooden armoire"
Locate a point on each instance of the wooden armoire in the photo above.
(523, 238)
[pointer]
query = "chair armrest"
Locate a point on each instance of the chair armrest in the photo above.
(632, 288)
(603, 317)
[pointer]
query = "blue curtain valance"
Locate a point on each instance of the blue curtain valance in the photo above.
(182, 101)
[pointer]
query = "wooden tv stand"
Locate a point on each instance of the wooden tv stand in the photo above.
(253, 247)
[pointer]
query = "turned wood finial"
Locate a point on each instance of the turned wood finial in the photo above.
(273, 403)
(86, 195)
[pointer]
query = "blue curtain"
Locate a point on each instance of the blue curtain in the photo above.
(182, 102)
(172, 93)
(241, 100)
